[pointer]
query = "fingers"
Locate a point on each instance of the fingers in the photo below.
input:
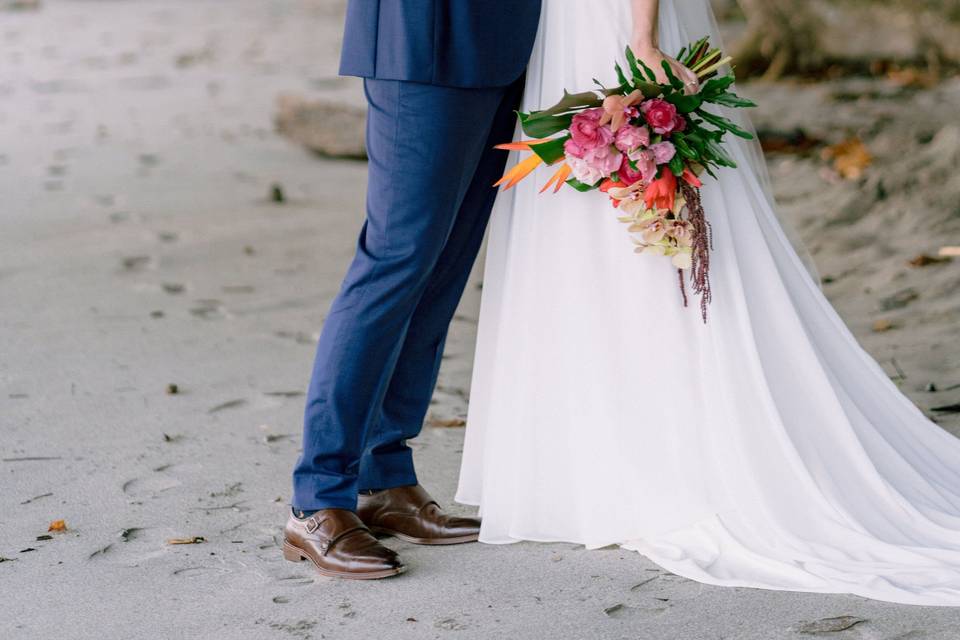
(691, 84)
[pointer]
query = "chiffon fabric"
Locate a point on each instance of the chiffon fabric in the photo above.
(763, 449)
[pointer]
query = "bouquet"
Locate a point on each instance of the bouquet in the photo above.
(645, 145)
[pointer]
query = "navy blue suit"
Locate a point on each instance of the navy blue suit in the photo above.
(442, 80)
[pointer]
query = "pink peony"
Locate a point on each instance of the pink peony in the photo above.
(663, 152)
(630, 137)
(582, 171)
(587, 132)
(627, 174)
(572, 149)
(661, 115)
(605, 159)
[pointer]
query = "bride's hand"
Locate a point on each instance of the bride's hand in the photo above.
(654, 58)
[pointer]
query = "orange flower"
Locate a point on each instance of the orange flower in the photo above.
(691, 178)
(662, 192)
(519, 171)
(558, 179)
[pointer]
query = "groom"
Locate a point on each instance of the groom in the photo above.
(442, 80)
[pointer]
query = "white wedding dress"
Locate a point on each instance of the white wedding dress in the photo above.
(763, 449)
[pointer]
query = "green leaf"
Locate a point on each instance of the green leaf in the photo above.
(723, 123)
(685, 104)
(569, 102)
(695, 141)
(621, 77)
(720, 155)
(651, 76)
(648, 89)
(551, 151)
(684, 149)
(544, 126)
(716, 86)
(675, 82)
(580, 186)
(634, 69)
(676, 165)
(733, 100)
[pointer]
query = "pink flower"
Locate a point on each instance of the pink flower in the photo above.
(587, 132)
(572, 149)
(630, 137)
(628, 175)
(663, 152)
(661, 115)
(646, 164)
(605, 159)
(582, 171)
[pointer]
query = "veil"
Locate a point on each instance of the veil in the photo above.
(695, 19)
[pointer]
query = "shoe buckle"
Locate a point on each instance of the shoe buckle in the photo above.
(312, 524)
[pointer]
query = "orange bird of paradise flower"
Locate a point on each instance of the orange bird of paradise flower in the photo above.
(525, 167)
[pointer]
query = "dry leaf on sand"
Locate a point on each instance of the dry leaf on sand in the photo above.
(193, 540)
(449, 423)
(58, 525)
(850, 158)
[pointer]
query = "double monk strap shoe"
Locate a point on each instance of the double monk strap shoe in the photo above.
(340, 546)
(409, 513)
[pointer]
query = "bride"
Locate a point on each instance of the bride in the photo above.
(763, 449)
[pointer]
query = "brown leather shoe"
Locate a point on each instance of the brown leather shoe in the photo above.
(339, 545)
(410, 514)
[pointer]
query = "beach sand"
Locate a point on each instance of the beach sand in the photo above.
(143, 251)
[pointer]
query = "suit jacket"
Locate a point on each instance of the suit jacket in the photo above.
(457, 43)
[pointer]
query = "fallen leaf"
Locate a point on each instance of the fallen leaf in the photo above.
(850, 158)
(613, 608)
(924, 260)
(2, 559)
(58, 525)
(912, 77)
(44, 538)
(193, 540)
(172, 389)
(449, 423)
(883, 325)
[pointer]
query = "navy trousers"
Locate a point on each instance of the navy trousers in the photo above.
(429, 196)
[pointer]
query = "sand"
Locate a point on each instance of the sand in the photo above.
(141, 247)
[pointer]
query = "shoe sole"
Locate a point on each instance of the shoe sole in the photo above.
(296, 554)
(425, 541)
